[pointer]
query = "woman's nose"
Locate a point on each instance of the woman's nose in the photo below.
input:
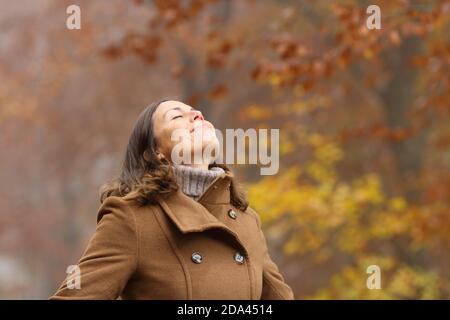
(196, 115)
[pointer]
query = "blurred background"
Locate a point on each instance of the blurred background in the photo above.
(363, 116)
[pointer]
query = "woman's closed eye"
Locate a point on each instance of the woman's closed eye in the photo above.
(178, 116)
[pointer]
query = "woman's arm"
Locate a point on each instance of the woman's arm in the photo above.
(274, 286)
(110, 257)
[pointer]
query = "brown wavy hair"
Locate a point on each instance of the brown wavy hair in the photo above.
(144, 177)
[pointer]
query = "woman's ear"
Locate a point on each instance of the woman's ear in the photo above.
(146, 157)
(159, 155)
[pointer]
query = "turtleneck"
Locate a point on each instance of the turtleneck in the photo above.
(194, 181)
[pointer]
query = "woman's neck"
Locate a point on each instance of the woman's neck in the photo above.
(193, 181)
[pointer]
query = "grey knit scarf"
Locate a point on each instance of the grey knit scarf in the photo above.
(194, 181)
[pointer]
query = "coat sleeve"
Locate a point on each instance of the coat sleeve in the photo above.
(109, 259)
(274, 285)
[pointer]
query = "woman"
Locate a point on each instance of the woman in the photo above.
(174, 231)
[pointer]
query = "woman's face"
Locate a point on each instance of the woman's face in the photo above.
(176, 123)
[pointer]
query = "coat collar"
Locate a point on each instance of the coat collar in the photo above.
(193, 216)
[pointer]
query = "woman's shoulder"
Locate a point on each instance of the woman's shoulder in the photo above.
(254, 214)
(126, 205)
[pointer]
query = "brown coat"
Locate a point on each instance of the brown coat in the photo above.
(179, 249)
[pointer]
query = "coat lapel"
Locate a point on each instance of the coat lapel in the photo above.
(191, 216)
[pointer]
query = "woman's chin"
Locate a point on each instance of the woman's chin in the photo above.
(207, 151)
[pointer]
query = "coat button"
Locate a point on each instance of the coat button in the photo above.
(232, 214)
(239, 258)
(196, 257)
